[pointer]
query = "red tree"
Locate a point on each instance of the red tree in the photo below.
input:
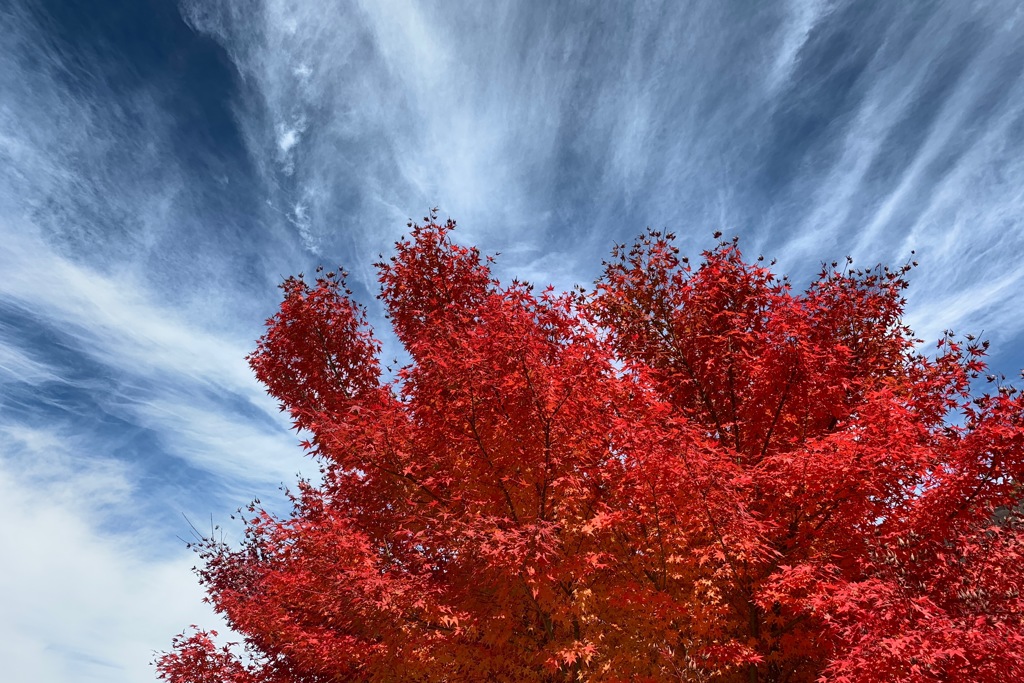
(686, 474)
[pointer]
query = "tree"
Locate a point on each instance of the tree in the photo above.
(690, 474)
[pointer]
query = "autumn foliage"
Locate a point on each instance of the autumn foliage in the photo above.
(686, 474)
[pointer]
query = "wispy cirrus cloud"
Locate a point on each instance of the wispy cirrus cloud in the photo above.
(82, 603)
(117, 417)
(928, 161)
(129, 298)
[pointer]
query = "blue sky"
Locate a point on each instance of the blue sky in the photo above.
(164, 165)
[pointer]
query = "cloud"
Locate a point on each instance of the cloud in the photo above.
(82, 603)
(190, 387)
(112, 316)
(929, 162)
(103, 293)
(802, 17)
(17, 366)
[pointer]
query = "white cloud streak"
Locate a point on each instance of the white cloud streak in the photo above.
(463, 108)
(82, 603)
(956, 200)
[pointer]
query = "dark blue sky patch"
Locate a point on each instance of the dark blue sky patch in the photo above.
(908, 135)
(824, 92)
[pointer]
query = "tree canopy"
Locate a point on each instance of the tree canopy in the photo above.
(687, 473)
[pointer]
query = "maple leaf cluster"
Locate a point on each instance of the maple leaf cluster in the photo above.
(686, 474)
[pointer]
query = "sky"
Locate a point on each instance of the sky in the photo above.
(164, 165)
